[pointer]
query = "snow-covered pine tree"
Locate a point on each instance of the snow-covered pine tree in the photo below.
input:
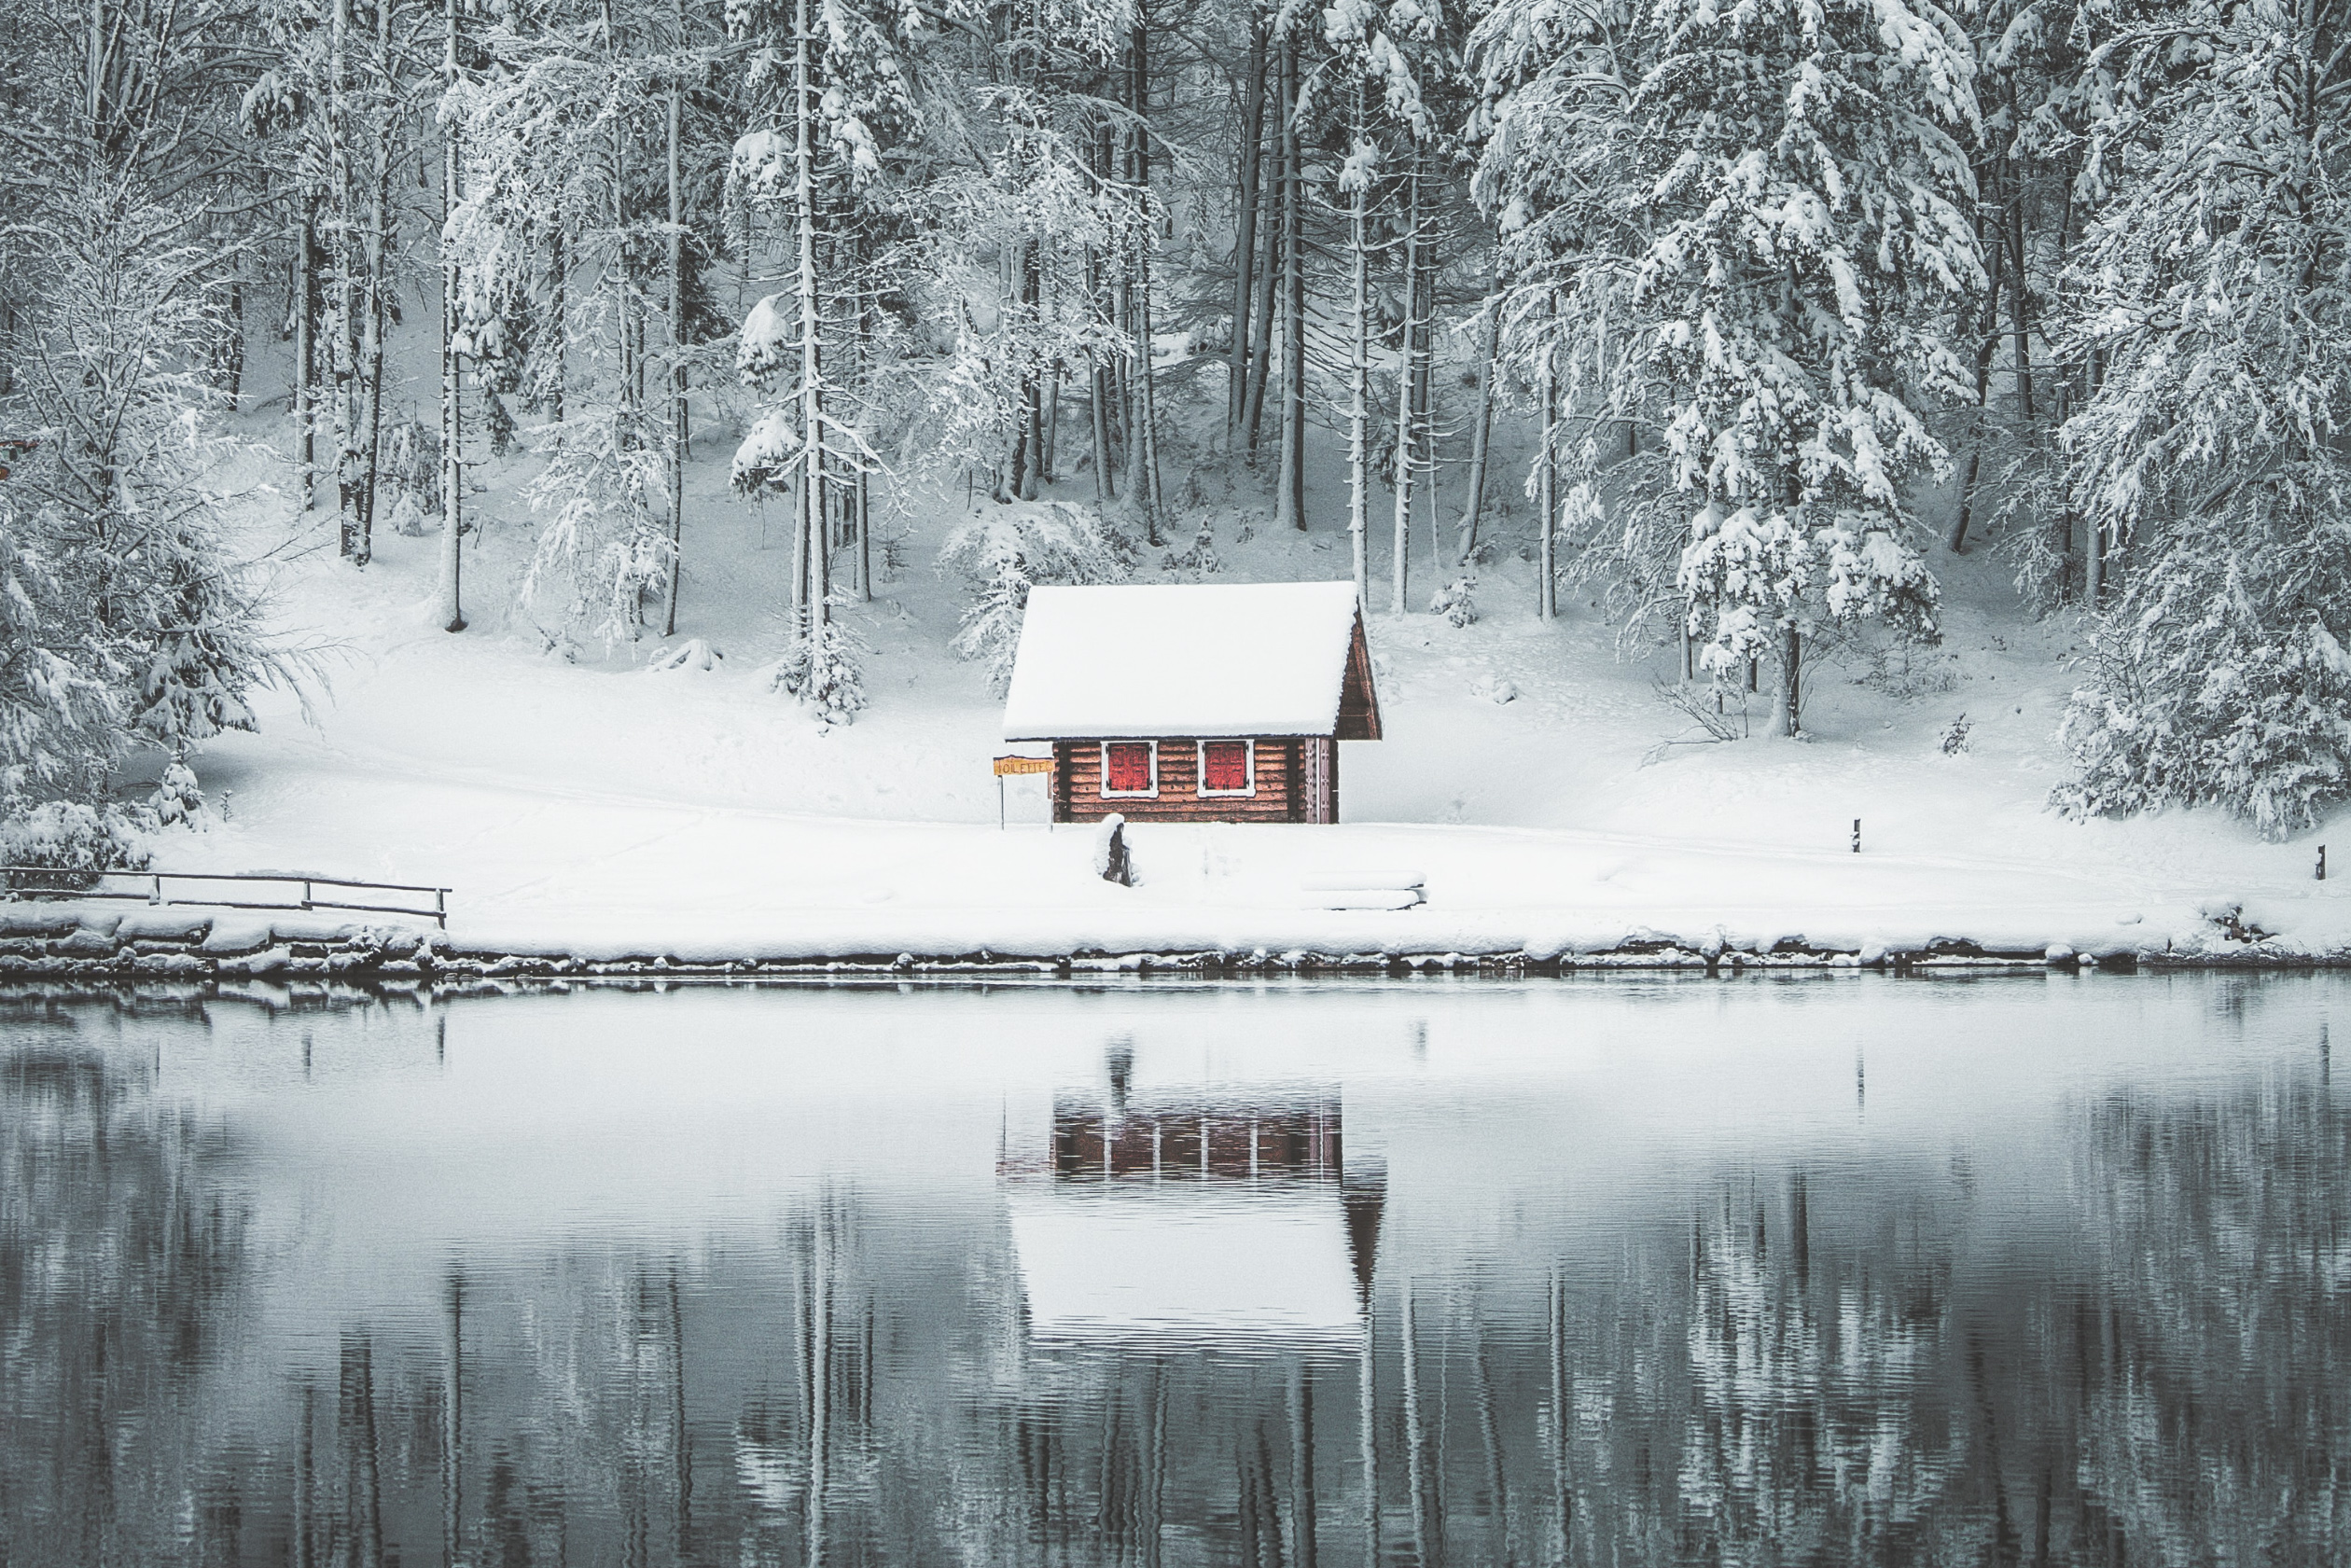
(1001, 552)
(1009, 246)
(2036, 100)
(556, 137)
(1749, 225)
(60, 685)
(825, 74)
(2212, 291)
(1379, 55)
(114, 380)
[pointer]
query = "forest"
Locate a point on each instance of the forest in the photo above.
(1731, 320)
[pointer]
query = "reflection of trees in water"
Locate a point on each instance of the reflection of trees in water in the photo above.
(1812, 1426)
(119, 1252)
(1759, 1388)
(1845, 1367)
(2213, 1373)
(544, 1420)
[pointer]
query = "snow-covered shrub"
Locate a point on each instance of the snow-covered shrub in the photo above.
(1955, 736)
(893, 562)
(201, 654)
(408, 518)
(177, 796)
(68, 843)
(2221, 677)
(1452, 600)
(601, 550)
(694, 653)
(408, 473)
(1200, 557)
(821, 669)
(1716, 712)
(1001, 552)
(1907, 669)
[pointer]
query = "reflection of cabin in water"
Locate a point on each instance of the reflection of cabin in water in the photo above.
(1185, 1140)
(1179, 1215)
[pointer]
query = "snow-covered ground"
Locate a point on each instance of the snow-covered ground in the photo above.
(598, 807)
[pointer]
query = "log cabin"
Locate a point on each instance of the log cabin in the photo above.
(1208, 702)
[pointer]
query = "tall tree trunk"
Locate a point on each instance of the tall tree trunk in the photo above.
(810, 326)
(1547, 496)
(624, 268)
(1487, 352)
(1269, 280)
(1032, 380)
(1244, 239)
(865, 534)
(1960, 524)
(1423, 343)
(1098, 417)
(1790, 719)
(1407, 366)
(859, 497)
(343, 348)
(233, 370)
(1987, 344)
(678, 435)
(1143, 479)
(379, 256)
(451, 599)
(2094, 540)
(306, 350)
(1053, 418)
(1098, 380)
(2020, 306)
(1289, 493)
(558, 311)
(1359, 358)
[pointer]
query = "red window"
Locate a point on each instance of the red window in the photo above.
(1127, 768)
(1224, 768)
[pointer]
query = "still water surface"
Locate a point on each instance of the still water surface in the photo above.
(1642, 1271)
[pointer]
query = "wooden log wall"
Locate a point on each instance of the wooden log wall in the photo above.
(1282, 790)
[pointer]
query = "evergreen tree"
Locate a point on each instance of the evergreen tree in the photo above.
(1747, 228)
(2209, 292)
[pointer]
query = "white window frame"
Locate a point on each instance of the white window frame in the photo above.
(1248, 766)
(1102, 780)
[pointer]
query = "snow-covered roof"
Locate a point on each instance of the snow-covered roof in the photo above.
(1240, 659)
(1190, 1262)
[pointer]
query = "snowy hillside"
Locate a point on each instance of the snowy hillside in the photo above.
(602, 804)
(596, 455)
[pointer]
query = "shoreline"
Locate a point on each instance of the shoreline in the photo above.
(44, 941)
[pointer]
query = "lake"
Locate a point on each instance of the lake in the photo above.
(1837, 1269)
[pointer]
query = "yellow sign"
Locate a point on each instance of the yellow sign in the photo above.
(1015, 765)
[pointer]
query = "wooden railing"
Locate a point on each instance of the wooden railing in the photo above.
(49, 881)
